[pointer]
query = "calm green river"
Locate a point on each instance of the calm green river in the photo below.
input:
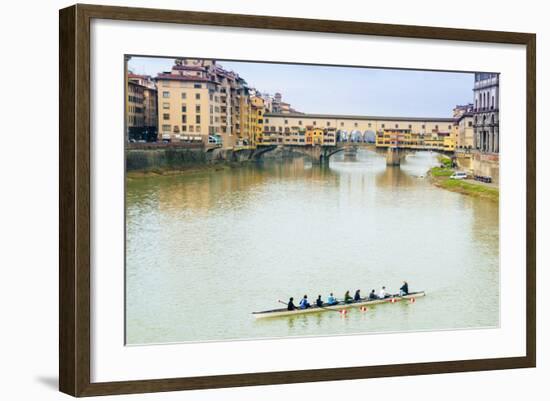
(205, 250)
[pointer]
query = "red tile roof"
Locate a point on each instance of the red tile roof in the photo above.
(132, 75)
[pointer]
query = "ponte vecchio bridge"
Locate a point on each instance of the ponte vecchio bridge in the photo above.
(320, 154)
(320, 136)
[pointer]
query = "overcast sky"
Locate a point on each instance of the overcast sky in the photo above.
(346, 90)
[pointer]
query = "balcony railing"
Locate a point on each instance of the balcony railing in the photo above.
(485, 109)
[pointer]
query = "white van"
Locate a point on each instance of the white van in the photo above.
(459, 175)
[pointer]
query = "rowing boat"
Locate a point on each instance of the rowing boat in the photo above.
(336, 307)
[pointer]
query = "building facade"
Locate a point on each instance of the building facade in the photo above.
(465, 125)
(134, 108)
(484, 161)
(141, 108)
(408, 139)
(258, 110)
(353, 128)
(486, 112)
(201, 101)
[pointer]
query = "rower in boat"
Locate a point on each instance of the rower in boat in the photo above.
(404, 290)
(357, 296)
(348, 299)
(304, 303)
(290, 305)
(319, 301)
(383, 294)
(373, 295)
(331, 300)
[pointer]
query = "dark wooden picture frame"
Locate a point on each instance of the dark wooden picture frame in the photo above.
(74, 202)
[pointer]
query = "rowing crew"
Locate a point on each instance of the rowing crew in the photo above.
(348, 299)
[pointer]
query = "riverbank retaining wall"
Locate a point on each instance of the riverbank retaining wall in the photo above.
(482, 164)
(464, 162)
(486, 165)
(163, 159)
(151, 159)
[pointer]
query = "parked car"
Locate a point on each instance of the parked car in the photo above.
(216, 139)
(458, 176)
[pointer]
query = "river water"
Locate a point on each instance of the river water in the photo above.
(205, 250)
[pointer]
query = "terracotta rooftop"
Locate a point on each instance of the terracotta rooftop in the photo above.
(132, 75)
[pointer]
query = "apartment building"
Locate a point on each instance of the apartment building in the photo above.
(141, 108)
(199, 100)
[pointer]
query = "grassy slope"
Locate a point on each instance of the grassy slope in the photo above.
(440, 177)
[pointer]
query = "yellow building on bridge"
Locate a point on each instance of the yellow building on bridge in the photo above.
(406, 139)
(322, 129)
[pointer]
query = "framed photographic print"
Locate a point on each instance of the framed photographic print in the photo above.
(249, 200)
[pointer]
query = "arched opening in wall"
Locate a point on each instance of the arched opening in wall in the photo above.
(344, 136)
(355, 136)
(369, 136)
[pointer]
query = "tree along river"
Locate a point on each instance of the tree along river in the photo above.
(205, 250)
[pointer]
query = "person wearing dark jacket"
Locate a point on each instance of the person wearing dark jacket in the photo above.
(357, 296)
(319, 301)
(404, 290)
(373, 295)
(348, 298)
(290, 305)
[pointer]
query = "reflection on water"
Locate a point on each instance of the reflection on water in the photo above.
(205, 250)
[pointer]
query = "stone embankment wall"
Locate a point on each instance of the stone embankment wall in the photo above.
(482, 164)
(486, 165)
(163, 159)
(159, 157)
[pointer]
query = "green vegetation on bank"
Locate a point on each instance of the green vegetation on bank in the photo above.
(440, 178)
(470, 188)
(445, 161)
(441, 172)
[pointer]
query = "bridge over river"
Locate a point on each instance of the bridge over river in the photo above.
(321, 154)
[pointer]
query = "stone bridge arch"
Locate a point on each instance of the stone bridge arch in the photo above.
(317, 154)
